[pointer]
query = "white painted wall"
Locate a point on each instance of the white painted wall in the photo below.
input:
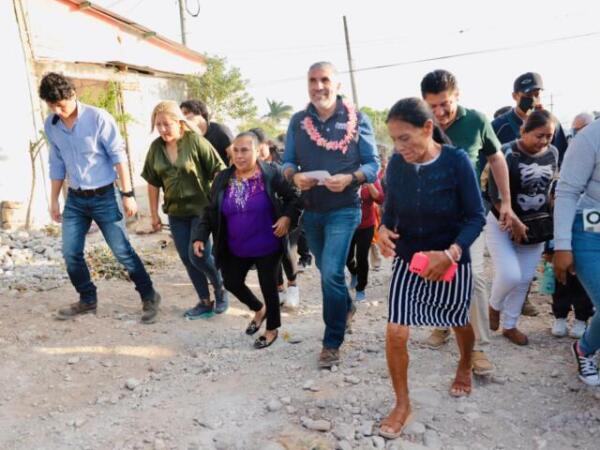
(139, 100)
(60, 32)
(141, 93)
(16, 119)
(62, 38)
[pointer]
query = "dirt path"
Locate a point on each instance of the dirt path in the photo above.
(108, 382)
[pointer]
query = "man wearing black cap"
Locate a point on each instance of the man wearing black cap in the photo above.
(526, 93)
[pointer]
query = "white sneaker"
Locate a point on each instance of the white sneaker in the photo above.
(577, 329)
(282, 297)
(292, 298)
(559, 329)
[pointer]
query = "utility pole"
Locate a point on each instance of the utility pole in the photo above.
(182, 21)
(350, 65)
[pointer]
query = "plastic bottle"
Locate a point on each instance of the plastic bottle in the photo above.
(548, 282)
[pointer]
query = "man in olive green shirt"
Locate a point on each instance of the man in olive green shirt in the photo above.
(471, 131)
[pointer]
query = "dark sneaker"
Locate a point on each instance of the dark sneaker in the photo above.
(329, 357)
(221, 302)
(150, 309)
(586, 367)
(76, 309)
(203, 310)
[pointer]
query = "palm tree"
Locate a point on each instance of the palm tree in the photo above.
(278, 111)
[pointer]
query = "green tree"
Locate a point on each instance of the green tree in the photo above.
(278, 111)
(379, 126)
(107, 99)
(271, 128)
(223, 90)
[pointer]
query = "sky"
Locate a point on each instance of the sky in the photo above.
(273, 42)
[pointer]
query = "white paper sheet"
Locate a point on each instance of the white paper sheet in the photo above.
(319, 175)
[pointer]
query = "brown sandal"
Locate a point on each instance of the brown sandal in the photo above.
(395, 434)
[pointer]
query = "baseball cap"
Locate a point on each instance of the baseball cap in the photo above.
(528, 82)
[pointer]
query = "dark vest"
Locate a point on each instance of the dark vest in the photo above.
(310, 156)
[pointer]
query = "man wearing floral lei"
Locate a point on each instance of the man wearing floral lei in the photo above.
(330, 135)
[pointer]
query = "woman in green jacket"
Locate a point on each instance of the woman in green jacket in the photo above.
(183, 164)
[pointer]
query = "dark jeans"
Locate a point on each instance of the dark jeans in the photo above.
(235, 270)
(358, 257)
(329, 235)
(198, 269)
(570, 295)
(107, 211)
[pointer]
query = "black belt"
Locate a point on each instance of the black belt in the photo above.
(91, 192)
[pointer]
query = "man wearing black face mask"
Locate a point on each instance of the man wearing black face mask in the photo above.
(526, 93)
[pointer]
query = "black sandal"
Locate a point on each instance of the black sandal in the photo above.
(253, 327)
(262, 342)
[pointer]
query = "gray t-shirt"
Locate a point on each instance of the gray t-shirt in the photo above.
(579, 183)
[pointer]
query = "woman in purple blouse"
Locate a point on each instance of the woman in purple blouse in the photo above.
(252, 208)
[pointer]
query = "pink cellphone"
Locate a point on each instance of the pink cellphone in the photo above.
(419, 263)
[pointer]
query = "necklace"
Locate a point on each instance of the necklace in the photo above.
(342, 144)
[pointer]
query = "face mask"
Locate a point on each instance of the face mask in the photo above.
(525, 104)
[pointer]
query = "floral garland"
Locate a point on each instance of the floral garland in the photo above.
(342, 144)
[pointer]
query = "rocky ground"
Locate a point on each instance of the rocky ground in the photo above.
(108, 382)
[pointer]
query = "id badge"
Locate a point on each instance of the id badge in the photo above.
(591, 220)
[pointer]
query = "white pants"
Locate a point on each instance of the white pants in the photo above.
(514, 268)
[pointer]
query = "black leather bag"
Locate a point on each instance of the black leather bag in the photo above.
(540, 228)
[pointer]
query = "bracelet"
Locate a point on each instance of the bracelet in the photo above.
(447, 253)
(456, 251)
(127, 194)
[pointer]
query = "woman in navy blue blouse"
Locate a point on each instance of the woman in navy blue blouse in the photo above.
(433, 205)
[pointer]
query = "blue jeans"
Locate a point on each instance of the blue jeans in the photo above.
(198, 269)
(586, 252)
(329, 235)
(107, 211)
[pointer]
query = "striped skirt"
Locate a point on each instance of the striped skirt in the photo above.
(414, 300)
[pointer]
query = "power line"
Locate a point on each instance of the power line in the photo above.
(480, 52)
(450, 56)
(380, 41)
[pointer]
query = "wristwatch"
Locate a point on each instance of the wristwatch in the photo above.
(127, 194)
(355, 182)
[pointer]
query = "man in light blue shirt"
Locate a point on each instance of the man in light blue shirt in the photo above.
(86, 147)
